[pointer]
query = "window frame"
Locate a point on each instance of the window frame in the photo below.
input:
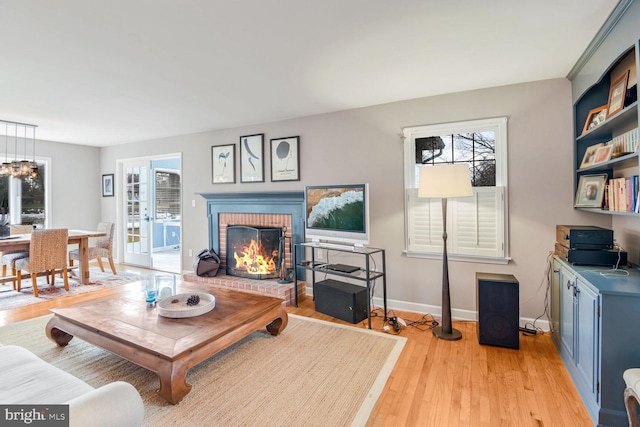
(499, 126)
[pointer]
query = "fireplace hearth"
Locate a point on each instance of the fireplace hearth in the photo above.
(253, 252)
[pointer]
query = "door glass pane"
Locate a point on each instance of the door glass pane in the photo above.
(137, 214)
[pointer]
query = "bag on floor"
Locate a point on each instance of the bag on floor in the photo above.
(207, 263)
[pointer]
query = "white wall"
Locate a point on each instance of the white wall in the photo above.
(76, 195)
(365, 145)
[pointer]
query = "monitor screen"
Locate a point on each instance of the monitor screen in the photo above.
(337, 213)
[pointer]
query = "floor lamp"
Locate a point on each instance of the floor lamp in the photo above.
(445, 181)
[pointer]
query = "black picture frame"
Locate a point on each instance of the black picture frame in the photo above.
(108, 185)
(285, 159)
(252, 158)
(223, 164)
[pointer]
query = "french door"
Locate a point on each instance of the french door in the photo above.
(137, 212)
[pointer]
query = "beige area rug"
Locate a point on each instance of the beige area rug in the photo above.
(13, 299)
(314, 373)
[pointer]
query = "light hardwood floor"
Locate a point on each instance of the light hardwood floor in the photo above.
(442, 383)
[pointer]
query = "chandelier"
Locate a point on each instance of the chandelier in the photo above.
(19, 168)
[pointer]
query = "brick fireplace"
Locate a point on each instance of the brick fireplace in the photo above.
(267, 209)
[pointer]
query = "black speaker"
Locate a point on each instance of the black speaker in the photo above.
(341, 300)
(498, 303)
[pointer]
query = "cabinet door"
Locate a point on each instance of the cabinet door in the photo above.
(587, 329)
(567, 307)
(555, 296)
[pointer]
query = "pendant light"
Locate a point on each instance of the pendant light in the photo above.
(15, 164)
(34, 166)
(25, 168)
(19, 168)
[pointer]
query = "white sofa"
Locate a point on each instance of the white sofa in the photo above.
(27, 379)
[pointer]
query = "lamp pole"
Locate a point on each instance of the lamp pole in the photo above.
(446, 331)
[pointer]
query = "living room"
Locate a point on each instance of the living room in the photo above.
(365, 144)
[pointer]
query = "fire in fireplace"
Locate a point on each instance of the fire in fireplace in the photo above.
(253, 252)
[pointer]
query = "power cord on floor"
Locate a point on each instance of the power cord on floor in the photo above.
(394, 324)
(426, 323)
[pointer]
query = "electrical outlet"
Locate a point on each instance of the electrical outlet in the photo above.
(190, 252)
(193, 203)
(319, 254)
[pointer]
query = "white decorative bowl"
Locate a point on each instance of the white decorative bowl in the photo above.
(175, 306)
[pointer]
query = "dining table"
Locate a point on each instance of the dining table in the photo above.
(21, 242)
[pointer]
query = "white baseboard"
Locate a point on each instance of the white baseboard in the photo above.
(435, 311)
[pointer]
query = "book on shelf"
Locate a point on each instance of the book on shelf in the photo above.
(625, 143)
(621, 194)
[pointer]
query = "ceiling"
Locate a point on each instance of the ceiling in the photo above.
(101, 73)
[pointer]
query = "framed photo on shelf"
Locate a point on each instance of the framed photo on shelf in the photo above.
(595, 117)
(252, 158)
(107, 185)
(589, 158)
(590, 191)
(223, 164)
(285, 159)
(617, 93)
(603, 154)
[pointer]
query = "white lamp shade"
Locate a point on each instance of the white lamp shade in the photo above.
(444, 181)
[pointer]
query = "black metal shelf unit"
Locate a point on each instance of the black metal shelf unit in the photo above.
(367, 273)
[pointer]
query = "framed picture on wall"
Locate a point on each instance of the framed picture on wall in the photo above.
(223, 164)
(285, 159)
(252, 158)
(107, 185)
(590, 191)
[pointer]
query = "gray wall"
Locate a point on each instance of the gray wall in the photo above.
(76, 195)
(365, 145)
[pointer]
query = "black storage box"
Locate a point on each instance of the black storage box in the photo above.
(341, 300)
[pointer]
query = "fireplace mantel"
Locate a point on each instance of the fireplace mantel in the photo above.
(288, 203)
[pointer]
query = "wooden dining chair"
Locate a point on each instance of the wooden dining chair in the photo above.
(47, 253)
(8, 258)
(102, 249)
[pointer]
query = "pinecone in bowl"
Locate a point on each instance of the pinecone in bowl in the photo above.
(193, 300)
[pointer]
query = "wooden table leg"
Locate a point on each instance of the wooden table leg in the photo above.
(278, 324)
(56, 335)
(83, 248)
(173, 381)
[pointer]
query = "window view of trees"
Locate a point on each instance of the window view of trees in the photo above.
(29, 197)
(478, 149)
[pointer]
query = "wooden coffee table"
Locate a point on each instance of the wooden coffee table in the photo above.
(125, 326)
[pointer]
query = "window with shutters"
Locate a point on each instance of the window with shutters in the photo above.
(476, 226)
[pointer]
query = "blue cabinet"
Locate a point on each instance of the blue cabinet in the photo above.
(577, 337)
(567, 310)
(595, 331)
(587, 304)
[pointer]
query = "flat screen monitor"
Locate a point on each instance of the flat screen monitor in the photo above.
(337, 213)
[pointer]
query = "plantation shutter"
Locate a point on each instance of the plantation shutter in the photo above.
(474, 224)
